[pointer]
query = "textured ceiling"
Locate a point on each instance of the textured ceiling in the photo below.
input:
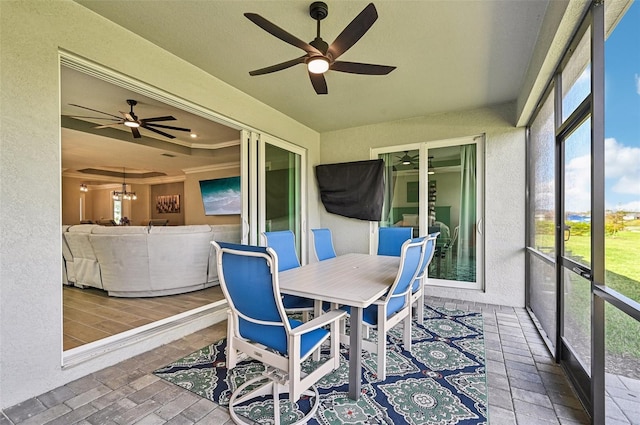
(450, 55)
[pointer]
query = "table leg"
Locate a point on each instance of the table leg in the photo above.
(355, 353)
(317, 311)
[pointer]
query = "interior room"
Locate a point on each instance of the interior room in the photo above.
(508, 128)
(101, 156)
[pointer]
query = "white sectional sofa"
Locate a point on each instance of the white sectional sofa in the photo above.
(141, 261)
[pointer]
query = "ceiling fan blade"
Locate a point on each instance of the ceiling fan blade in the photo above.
(278, 67)
(319, 83)
(157, 131)
(165, 118)
(147, 124)
(361, 68)
(353, 32)
(93, 118)
(135, 132)
(109, 125)
(283, 35)
(94, 110)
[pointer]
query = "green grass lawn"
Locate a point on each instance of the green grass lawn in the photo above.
(622, 274)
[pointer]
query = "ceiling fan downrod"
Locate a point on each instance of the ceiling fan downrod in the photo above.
(319, 10)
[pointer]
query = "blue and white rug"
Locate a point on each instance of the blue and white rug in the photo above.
(441, 382)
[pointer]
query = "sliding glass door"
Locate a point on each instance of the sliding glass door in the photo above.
(437, 187)
(276, 180)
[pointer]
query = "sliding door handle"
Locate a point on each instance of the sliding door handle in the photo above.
(584, 273)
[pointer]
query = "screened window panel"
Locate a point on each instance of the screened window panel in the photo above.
(543, 295)
(576, 77)
(542, 139)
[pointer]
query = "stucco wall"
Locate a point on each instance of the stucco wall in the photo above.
(504, 190)
(30, 184)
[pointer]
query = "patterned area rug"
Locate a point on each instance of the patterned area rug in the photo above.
(442, 381)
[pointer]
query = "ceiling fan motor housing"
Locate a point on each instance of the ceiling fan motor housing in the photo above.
(318, 10)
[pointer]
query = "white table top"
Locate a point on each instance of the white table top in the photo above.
(356, 280)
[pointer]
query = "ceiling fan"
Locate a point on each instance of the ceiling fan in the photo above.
(131, 120)
(407, 159)
(321, 57)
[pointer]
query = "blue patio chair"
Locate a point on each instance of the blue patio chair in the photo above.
(283, 243)
(394, 307)
(258, 326)
(417, 289)
(390, 239)
(323, 244)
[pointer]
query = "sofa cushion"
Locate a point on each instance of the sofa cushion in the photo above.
(119, 230)
(82, 228)
(227, 232)
(85, 264)
(194, 228)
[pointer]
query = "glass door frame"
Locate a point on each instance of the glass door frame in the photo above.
(254, 166)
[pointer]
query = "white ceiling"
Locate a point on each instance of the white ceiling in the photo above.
(450, 55)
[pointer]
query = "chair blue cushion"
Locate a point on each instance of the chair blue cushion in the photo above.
(292, 302)
(323, 244)
(370, 314)
(284, 244)
(276, 338)
(390, 239)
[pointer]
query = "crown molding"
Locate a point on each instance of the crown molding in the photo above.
(216, 167)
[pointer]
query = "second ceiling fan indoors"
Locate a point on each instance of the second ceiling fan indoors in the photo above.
(321, 57)
(131, 120)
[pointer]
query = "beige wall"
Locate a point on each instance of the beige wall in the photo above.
(32, 34)
(71, 196)
(98, 203)
(140, 209)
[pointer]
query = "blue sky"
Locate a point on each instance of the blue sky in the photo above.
(622, 113)
(622, 124)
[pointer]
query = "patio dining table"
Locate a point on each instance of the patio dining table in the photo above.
(355, 280)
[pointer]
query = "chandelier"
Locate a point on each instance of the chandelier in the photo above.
(83, 188)
(124, 195)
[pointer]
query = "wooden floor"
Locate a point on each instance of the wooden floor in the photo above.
(90, 314)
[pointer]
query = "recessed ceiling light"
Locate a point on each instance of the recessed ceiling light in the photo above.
(194, 135)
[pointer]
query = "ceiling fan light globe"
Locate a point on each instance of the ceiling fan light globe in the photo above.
(405, 162)
(132, 124)
(318, 65)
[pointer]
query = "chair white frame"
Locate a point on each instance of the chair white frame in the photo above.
(417, 297)
(283, 372)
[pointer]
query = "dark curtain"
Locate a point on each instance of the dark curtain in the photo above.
(353, 189)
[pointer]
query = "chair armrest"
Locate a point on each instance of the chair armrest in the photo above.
(318, 322)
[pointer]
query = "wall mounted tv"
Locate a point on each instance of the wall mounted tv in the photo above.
(221, 196)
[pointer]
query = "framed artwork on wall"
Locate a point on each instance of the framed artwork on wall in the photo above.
(221, 196)
(168, 204)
